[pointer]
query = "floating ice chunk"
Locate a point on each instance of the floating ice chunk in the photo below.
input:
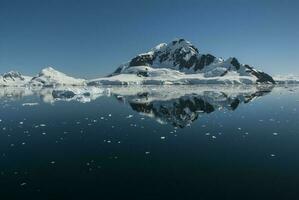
(275, 133)
(129, 116)
(23, 184)
(42, 125)
(53, 162)
(272, 155)
(21, 123)
(29, 104)
(43, 133)
(214, 137)
(162, 138)
(147, 152)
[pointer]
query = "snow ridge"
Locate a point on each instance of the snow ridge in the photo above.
(52, 77)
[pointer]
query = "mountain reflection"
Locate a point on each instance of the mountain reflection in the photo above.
(176, 105)
(181, 106)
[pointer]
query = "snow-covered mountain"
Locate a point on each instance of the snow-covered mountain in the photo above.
(47, 77)
(286, 79)
(14, 78)
(176, 63)
(51, 77)
(180, 62)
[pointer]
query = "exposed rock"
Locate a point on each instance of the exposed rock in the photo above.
(183, 56)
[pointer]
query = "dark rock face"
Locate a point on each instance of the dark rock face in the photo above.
(142, 73)
(203, 61)
(142, 60)
(235, 63)
(181, 55)
(262, 77)
(175, 54)
(117, 71)
(13, 76)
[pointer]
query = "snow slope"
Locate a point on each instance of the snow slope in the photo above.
(52, 77)
(165, 76)
(14, 79)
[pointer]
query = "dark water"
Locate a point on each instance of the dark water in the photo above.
(151, 143)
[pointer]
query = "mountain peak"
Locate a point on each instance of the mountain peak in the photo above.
(181, 55)
(13, 75)
(182, 44)
(48, 70)
(51, 77)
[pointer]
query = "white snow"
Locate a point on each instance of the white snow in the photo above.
(52, 77)
(166, 76)
(286, 79)
(29, 104)
(47, 77)
(14, 79)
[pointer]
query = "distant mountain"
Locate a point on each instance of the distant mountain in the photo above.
(182, 56)
(176, 63)
(52, 77)
(286, 79)
(46, 78)
(14, 78)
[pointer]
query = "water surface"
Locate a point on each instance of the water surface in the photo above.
(171, 142)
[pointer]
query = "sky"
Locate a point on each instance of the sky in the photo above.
(91, 38)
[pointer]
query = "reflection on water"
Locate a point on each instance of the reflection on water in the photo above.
(153, 142)
(181, 106)
(177, 105)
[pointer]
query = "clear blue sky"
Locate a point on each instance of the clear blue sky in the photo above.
(91, 38)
